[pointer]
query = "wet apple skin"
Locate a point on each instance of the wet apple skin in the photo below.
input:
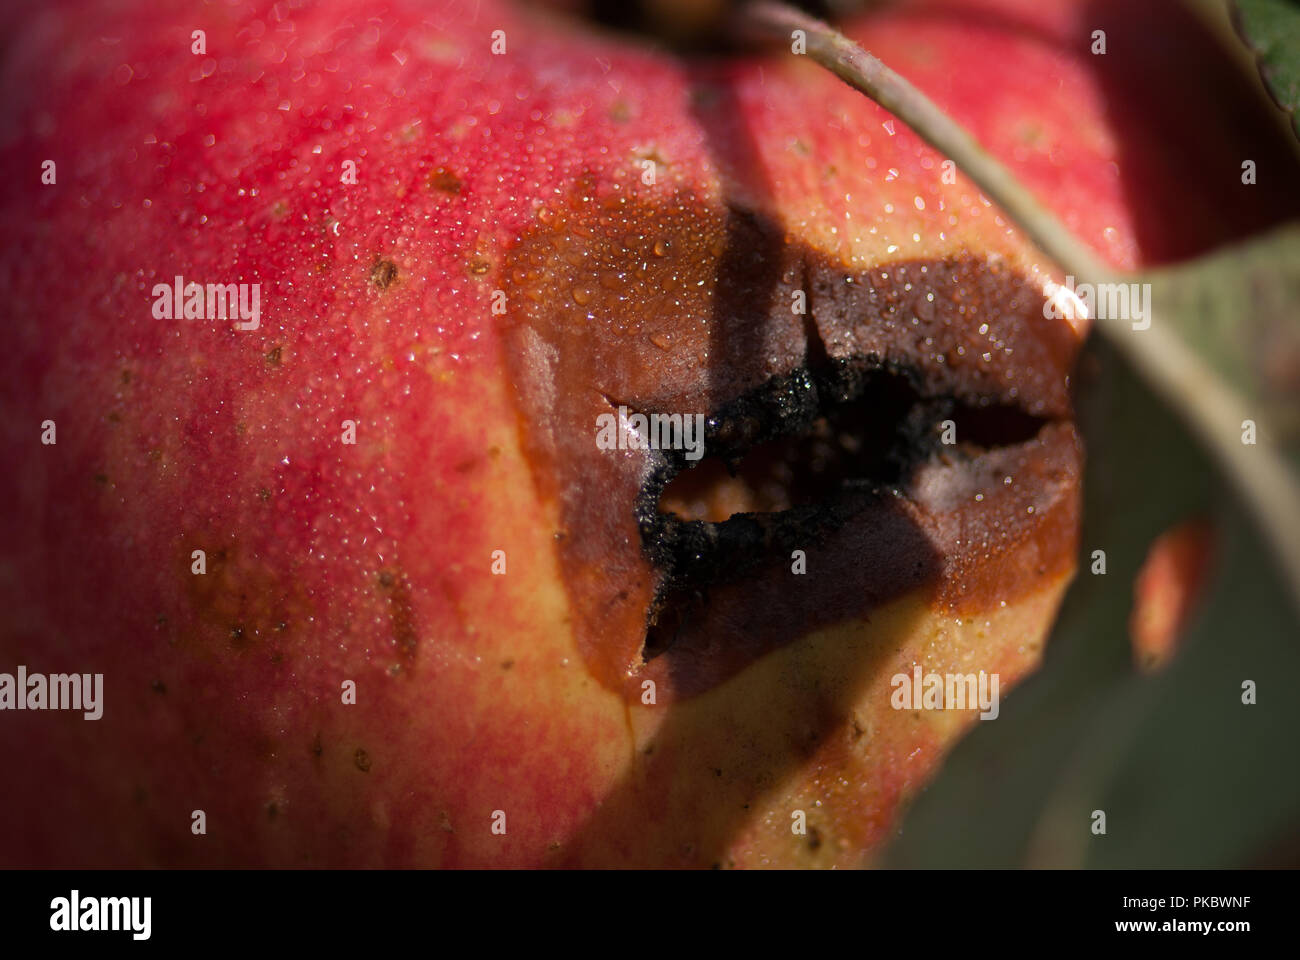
(372, 562)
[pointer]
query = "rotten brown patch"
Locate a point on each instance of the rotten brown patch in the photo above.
(824, 432)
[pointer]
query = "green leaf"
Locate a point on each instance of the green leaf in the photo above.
(1239, 310)
(1271, 29)
(1187, 774)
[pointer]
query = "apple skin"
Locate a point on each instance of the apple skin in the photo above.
(329, 562)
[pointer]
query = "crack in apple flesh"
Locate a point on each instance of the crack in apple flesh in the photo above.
(792, 461)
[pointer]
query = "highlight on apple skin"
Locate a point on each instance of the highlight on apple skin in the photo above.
(330, 329)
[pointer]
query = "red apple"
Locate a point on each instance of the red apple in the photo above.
(387, 177)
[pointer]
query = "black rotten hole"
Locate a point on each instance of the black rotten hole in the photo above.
(806, 452)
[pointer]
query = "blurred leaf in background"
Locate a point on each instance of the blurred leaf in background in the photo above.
(1271, 29)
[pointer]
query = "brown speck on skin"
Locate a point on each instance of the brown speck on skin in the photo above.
(620, 112)
(444, 822)
(237, 635)
(444, 180)
(507, 664)
(401, 615)
(273, 356)
(383, 274)
(101, 479)
(263, 494)
(479, 266)
(126, 377)
(814, 838)
(1029, 133)
(158, 687)
(316, 747)
(272, 811)
(362, 760)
